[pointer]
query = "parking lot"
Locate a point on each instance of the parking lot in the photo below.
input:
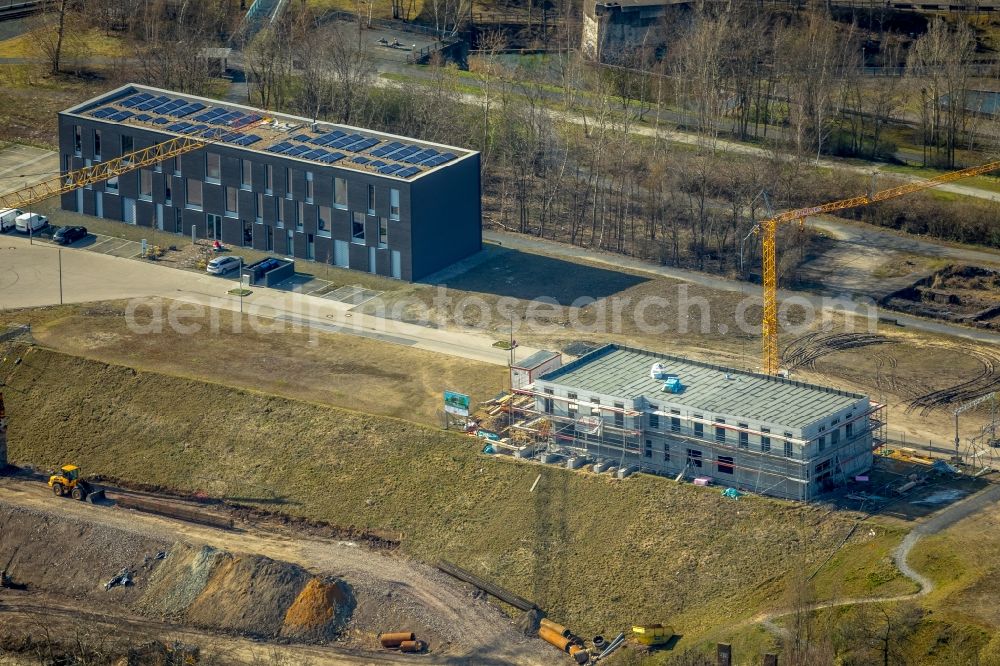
(299, 283)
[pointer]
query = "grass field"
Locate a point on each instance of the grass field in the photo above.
(91, 41)
(596, 553)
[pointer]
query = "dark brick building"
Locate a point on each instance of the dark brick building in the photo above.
(342, 195)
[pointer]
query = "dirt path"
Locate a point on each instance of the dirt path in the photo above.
(387, 586)
(900, 557)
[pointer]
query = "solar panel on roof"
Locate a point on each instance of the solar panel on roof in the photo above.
(346, 141)
(246, 120)
(332, 157)
(179, 127)
(187, 110)
(385, 150)
(136, 99)
(168, 106)
(297, 150)
(227, 118)
(248, 139)
(143, 117)
(104, 113)
(407, 172)
(302, 137)
(360, 159)
(402, 152)
(313, 154)
(209, 115)
(152, 104)
(120, 116)
(279, 147)
(161, 121)
(328, 138)
(378, 163)
(366, 144)
(417, 158)
(232, 136)
(390, 168)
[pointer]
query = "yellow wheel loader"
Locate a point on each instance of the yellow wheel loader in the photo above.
(67, 481)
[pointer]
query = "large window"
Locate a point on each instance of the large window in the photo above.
(393, 204)
(128, 145)
(288, 183)
(619, 415)
(340, 193)
(213, 168)
(383, 232)
(167, 193)
(246, 174)
(765, 441)
(232, 202)
(358, 229)
(720, 433)
(279, 215)
(145, 184)
(194, 193)
(111, 186)
(654, 419)
(675, 421)
(268, 179)
(371, 199)
(259, 208)
(309, 187)
(788, 445)
(300, 216)
(744, 436)
(77, 140)
(97, 144)
(725, 465)
(699, 429)
(324, 220)
(694, 457)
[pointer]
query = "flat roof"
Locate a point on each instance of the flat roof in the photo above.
(624, 372)
(536, 359)
(281, 134)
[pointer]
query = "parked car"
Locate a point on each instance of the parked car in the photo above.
(222, 265)
(8, 218)
(67, 235)
(30, 222)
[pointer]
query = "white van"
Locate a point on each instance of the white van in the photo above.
(7, 218)
(30, 222)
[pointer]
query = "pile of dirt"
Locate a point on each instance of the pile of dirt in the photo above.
(318, 611)
(964, 294)
(249, 594)
(76, 559)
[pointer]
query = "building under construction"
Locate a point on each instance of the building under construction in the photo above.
(673, 416)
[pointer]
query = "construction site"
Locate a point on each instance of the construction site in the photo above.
(332, 351)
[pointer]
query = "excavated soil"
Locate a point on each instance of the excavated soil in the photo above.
(317, 612)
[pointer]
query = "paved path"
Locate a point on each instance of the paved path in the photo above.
(554, 249)
(29, 277)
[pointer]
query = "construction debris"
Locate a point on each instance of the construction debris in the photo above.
(490, 588)
(123, 579)
(394, 639)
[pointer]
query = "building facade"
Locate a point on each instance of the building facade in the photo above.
(323, 192)
(633, 33)
(765, 434)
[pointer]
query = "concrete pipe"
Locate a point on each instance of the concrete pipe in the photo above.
(395, 639)
(599, 642)
(412, 646)
(553, 637)
(558, 628)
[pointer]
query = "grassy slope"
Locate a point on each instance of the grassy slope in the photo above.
(594, 552)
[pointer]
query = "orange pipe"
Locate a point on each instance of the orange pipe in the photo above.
(554, 626)
(579, 654)
(553, 637)
(394, 639)
(412, 646)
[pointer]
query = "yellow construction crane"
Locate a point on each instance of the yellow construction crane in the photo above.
(768, 227)
(137, 159)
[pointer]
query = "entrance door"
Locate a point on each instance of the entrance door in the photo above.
(214, 226)
(99, 203)
(290, 244)
(247, 233)
(79, 201)
(341, 254)
(397, 265)
(129, 210)
(269, 239)
(159, 216)
(371, 260)
(310, 248)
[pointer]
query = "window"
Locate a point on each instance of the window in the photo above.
(371, 199)
(694, 457)
(720, 433)
(268, 179)
(788, 445)
(231, 202)
(393, 205)
(309, 187)
(213, 168)
(765, 441)
(648, 451)
(744, 436)
(145, 184)
(111, 187)
(259, 208)
(383, 232)
(571, 407)
(279, 216)
(194, 193)
(324, 219)
(666, 453)
(850, 430)
(246, 174)
(288, 183)
(547, 404)
(358, 229)
(340, 193)
(654, 419)
(675, 421)
(724, 465)
(699, 429)
(176, 164)
(300, 216)
(128, 145)
(595, 406)
(822, 443)
(97, 144)
(77, 140)
(619, 415)
(167, 192)
(835, 437)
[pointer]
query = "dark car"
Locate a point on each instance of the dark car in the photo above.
(67, 235)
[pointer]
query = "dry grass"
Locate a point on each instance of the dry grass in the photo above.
(343, 370)
(92, 41)
(594, 552)
(32, 98)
